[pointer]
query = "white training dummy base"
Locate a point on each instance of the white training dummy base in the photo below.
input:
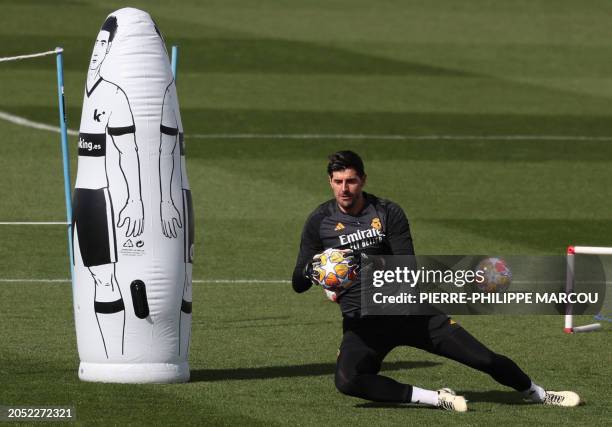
(135, 373)
(132, 212)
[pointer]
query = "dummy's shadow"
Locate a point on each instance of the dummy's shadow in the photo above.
(308, 370)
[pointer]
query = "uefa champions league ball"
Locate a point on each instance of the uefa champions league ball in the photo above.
(493, 275)
(335, 272)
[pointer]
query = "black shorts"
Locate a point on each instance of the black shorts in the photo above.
(93, 220)
(189, 227)
(374, 337)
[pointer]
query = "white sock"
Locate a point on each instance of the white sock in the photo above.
(535, 393)
(420, 395)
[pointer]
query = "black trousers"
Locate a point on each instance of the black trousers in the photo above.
(366, 342)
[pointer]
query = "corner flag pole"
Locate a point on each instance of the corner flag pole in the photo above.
(65, 156)
(174, 60)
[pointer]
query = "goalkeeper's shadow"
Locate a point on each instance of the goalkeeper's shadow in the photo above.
(307, 370)
(508, 397)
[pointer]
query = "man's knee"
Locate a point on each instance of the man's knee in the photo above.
(485, 361)
(348, 384)
(493, 363)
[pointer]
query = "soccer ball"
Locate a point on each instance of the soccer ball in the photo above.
(497, 275)
(334, 271)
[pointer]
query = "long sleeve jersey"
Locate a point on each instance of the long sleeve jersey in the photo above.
(381, 228)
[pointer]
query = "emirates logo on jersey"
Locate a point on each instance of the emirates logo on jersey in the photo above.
(339, 226)
(361, 238)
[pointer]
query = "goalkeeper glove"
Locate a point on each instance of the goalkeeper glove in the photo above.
(354, 263)
(309, 269)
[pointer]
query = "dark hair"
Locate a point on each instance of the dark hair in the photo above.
(342, 160)
(110, 25)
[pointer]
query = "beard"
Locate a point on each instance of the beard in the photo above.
(347, 203)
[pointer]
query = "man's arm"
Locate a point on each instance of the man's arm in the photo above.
(310, 245)
(398, 231)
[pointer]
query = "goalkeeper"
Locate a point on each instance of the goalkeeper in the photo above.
(362, 223)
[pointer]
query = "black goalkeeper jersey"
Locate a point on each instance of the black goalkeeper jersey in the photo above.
(381, 228)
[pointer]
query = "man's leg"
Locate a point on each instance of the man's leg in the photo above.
(450, 340)
(357, 372)
(109, 308)
(459, 345)
(365, 344)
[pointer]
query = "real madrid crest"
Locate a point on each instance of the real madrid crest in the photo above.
(376, 224)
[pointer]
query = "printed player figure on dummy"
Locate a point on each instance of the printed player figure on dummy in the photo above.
(171, 130)
(106, 116)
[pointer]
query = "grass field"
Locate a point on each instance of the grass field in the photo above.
(539, 70)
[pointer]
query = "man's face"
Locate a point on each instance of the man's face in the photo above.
(99, 51)
(347, 186)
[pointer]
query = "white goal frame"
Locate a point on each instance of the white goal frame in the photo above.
(570, 281)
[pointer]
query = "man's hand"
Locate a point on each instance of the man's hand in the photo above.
(170, 219)
(312, 269)
(332, 296)
(132, 214)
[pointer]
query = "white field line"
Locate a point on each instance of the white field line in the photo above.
(11, 118)
(21, 121)
(212, 281)
(311, 136)
(279, 281)
(34, 280)
(222, 281)
(33, 223)
(32, 55)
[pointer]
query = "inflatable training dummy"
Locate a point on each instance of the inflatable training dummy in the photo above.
(132, 212)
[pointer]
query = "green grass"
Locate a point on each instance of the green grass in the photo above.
(260, 353)
(274, 363)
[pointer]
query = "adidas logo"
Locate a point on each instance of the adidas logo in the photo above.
(339, 226)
